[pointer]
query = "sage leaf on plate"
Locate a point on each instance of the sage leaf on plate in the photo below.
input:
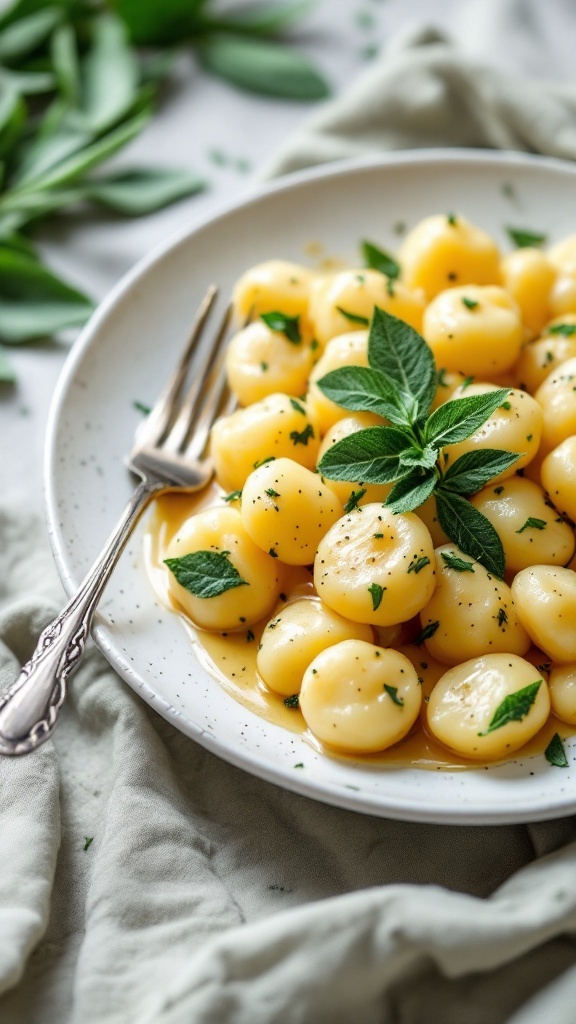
(514, 707)
(471, 531)
(359, 388)
(399, 352)
(474, 469)
(411, 491)
(457, 419)
(206, 573)
(262, 67)
(378, 259)
(371, 455)
(555, 753)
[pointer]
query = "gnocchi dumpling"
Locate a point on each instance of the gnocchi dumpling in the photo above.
(349, 349)
(220, 530)
(377, 567)
(529, 278)
(557, 399)
(339, 302)
(562, 684)
(277, 427)
(465, 709)
(476, 330)
(270, 287)
(470, 613)
(527, 523)
(261, 362)
(286, 510)
(558, 473)
(545, 599)
(295, 636)
(447, 250)
(360, 698)
(540, 357)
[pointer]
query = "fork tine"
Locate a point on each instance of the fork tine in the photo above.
(205, 391)
(158, 421)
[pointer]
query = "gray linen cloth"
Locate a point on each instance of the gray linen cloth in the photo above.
(210, 897)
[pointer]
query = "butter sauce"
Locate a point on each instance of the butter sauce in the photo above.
(231, 657)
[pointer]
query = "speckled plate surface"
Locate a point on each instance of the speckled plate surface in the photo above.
(130, 345)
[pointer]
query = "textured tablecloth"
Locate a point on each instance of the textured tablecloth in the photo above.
(207, 895)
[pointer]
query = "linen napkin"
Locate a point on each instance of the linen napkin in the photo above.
(143, 881)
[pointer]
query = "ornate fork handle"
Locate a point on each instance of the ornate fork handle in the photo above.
(29, 708)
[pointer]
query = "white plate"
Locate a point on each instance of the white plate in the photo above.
(127, 349)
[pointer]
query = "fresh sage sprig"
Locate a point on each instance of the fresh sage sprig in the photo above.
(399, 385)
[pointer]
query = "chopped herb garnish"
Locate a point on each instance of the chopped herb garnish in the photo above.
(296, 405)
(452, 219)
(273, 553)
(353, 500)
(205, 573)
(377, 259)
(441, 378)
(141, 407)
(506, 405)
(466, 383)
(469, 303)
(532, 524)
(390, 287)
(458, 564)
(292, 702)
(514, 707)
(392, 692)
(498, 490)
(302, 436)
(233, 496)
(88, 842)
(544, 667)
(555, 753)
(354, 318)
(567, 330)
(249, 636)
(417, 564)
(376, 592)
(314, 344)
(524, 238)
(378, 536)
(426, 633)
(299, 765)
(263, 367)
(271, 492)
(502, 617)
(262, 462)
(283, 324)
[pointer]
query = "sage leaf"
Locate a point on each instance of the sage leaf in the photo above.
(376, 592)
(399, 352)
(354, 318)
(555, 753)
(288, 325)
(205, 573)
(514, 707)
(471, 531)
(361, 389)
(457, 419)
(263, 19)
(65, 63)
(392, 692)
(109, 75)
(137, 192)
(377, 259)
(371, 455)
(159, 24)
(523, 238)
(452, 561)
(411, 492)
(35, 303)
(12, 115)
(566, 330)
(474, 469)
(26, 33)
(7, 375)
(263, 67)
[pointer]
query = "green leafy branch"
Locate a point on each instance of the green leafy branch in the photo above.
(75, 88)
(399, 385)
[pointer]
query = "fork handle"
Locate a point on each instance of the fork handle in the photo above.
(29, 708)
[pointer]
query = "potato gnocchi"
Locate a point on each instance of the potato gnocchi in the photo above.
(370, 619)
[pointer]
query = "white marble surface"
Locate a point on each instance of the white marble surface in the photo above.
(202, 117)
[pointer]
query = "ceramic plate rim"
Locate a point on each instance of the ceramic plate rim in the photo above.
(401, 808)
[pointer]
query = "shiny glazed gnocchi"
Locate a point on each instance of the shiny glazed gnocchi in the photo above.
(370, 598)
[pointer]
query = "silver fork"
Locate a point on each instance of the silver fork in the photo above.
(168, 454)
